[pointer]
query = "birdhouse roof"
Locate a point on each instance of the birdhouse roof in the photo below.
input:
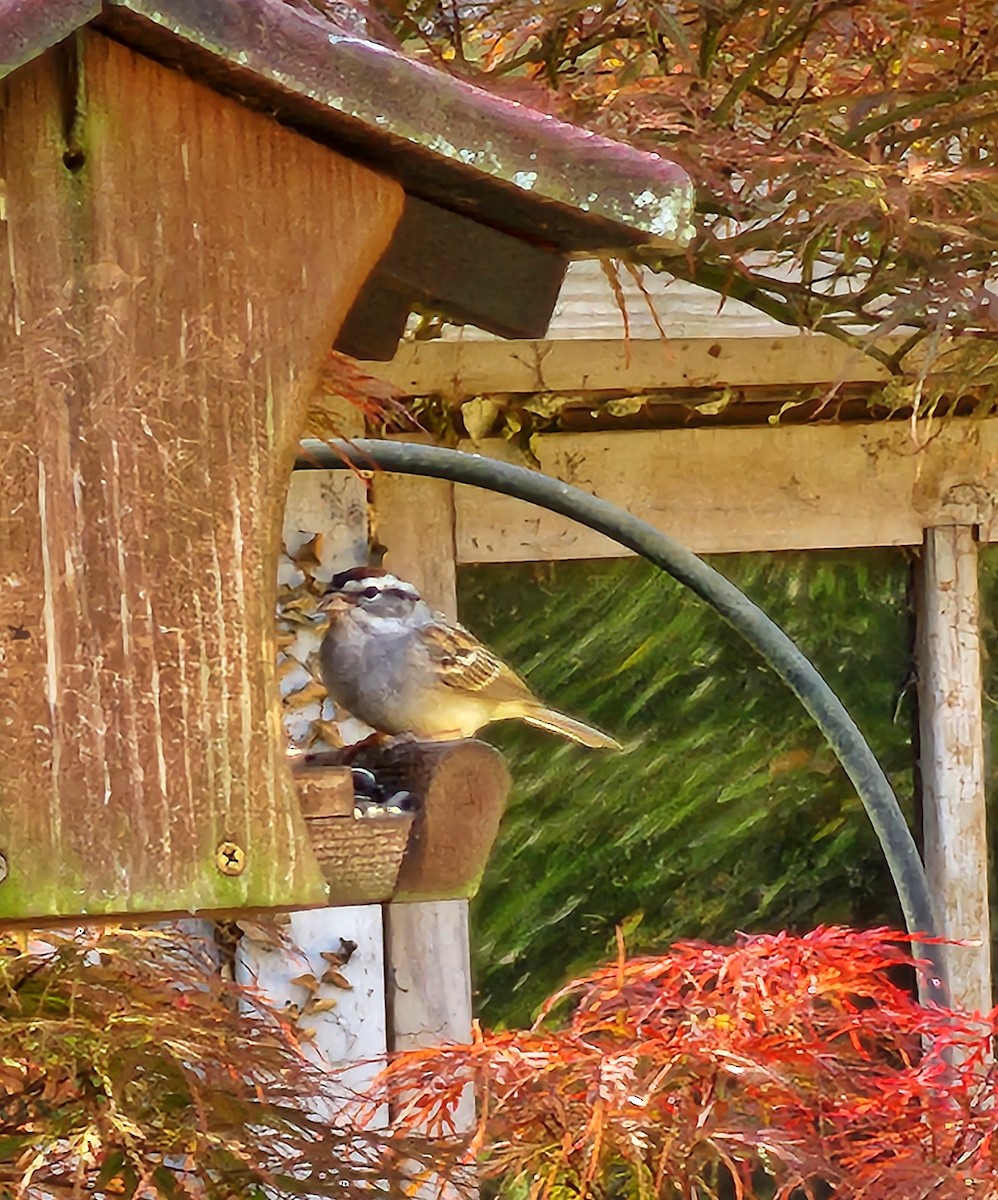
(447, 142)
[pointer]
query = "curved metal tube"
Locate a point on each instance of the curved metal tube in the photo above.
(763, 634)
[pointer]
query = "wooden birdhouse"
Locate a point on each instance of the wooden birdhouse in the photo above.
(198, 201)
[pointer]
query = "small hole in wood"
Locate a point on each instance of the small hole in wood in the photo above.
(74, 159)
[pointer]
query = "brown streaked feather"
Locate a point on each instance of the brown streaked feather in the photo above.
(468, 666)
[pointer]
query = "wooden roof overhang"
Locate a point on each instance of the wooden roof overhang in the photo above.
(498, 196)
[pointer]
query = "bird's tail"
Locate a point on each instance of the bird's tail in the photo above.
(568, 727)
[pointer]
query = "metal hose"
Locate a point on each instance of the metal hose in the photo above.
(763, 634)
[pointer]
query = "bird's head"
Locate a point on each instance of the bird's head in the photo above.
(371, 591)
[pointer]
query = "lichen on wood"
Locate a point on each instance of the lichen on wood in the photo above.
(169, 293)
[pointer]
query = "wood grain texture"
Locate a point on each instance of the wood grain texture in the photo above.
(325, 791)
(726, 490)
(428, 992)
(429, 974)
(444, 140)
(952, 756)
(353, 1030)
(168, 293)
(461, 369)
(413, 519)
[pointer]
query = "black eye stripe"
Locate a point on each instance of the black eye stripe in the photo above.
(370, 592)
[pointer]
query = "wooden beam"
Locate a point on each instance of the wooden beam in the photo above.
(952, 756)
(447, 263)
(726, 490)
(428, 983)
(458, 370)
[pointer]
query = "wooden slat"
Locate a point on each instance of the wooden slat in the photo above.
(413, 519)
(725, 490)
(458, 370)
(952, 756)
(173, 268)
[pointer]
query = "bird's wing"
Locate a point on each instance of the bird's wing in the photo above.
(466, 665)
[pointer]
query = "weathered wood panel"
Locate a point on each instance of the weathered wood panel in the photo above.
(173, 269)
(352, 1027)
(428, 968)
(724, 490)
(952, 756)
(429, 973)
(458, 370)
(413, 519)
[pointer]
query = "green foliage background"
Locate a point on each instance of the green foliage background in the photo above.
(728, 812)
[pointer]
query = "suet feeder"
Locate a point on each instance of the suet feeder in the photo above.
(199, 201)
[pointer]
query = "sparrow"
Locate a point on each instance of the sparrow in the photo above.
(392, 661)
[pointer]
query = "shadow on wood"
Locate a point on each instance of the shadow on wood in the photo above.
(438, 851)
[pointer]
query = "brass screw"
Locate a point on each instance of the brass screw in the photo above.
(230, 858)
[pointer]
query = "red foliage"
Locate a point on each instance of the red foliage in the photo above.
(378, 401)
(780, 1066)
(842, 150)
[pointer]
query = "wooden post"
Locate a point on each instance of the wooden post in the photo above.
(173, 269)
(427, 954)
(414, 520)
(952, 755)
(428, 971)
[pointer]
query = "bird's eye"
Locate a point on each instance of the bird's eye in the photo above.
(369, 593)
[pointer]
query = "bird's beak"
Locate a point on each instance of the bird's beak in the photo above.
(330, 602)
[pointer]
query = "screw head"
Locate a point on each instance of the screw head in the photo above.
(230, 858)
(4, 869)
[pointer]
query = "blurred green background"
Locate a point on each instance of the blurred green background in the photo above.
(728, 812)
